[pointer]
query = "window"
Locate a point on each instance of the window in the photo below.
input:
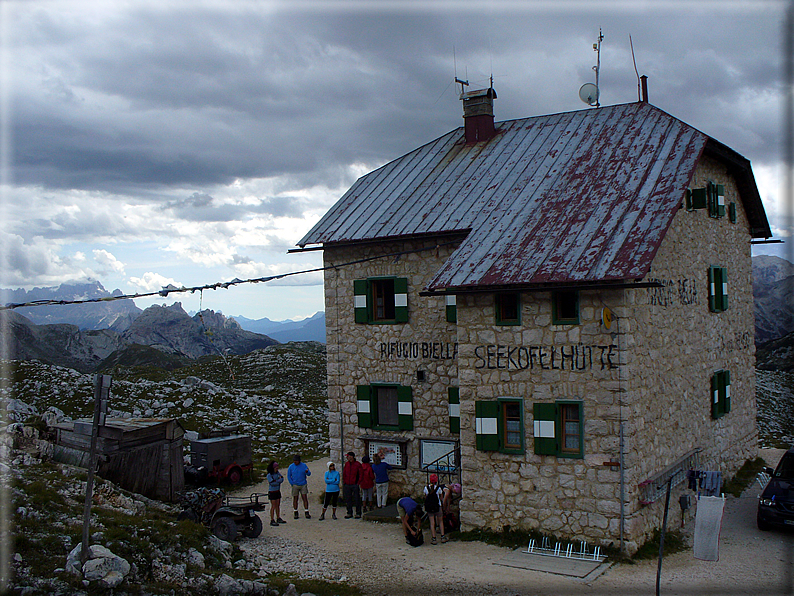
(385, 406)
(507, 307)
(718, 289)
(499, 425)
(720, 393)
(453, 394)
(381, 300)
(712, 197)
(452, 308)
(559, 428)
(565, 307)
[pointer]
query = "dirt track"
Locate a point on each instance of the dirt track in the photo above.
(374, 557)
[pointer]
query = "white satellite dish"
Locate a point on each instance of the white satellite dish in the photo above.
(588, 93)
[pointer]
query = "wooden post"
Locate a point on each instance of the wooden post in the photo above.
(101, 392)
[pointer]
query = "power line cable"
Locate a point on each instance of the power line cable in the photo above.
(171, 289)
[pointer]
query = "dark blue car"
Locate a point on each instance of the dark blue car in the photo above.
(776, 503)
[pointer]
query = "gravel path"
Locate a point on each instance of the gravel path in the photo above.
(374, 557)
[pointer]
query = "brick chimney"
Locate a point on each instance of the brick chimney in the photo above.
(478, 114)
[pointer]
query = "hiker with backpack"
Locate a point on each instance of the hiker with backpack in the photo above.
(433, 495)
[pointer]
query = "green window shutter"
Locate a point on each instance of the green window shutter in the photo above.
(711, 198)
(726, 391)
(722, 290)
(405, 408)
(688, 199)
(364, 405)
(401, 300)
(732, 212)
(698, 198)
(360, 297)
(486, 425)
(454, 409)
(715, 396)
(452, 308)
(712, 289)
(545, 425)
(720, 198)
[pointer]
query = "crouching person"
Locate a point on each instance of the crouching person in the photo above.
(411, 517)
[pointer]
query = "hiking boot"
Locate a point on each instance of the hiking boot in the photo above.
(296, 515)
(322, 517)
(308, 516)
(444, 538)
(281, 521)
(333, 516)
(433, 540)
(358, 516)
(273, 523)
(349, 516)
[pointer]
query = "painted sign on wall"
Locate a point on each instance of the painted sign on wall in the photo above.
(574, 357)
(415, 350)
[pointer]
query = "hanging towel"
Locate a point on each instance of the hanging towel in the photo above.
(708, 522)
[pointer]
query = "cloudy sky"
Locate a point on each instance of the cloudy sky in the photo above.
(188, 143)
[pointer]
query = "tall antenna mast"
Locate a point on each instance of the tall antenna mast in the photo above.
(597, 67)
(457, 80)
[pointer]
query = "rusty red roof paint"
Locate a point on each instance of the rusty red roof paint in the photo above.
(576, 197)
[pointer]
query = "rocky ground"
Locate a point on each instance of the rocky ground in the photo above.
(375, 557)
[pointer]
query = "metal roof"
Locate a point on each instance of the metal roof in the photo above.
(578, 197)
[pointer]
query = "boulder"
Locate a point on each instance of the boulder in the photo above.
(102, 565)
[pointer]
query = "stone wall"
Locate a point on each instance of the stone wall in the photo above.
(649, 374)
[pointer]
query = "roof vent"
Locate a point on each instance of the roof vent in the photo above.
(478, 114)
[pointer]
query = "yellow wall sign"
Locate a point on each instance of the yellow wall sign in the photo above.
(607, 317)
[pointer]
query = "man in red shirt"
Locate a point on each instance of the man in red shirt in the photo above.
(351, 476)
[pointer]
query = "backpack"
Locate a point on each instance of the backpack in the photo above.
(431, 500)
(417, 540)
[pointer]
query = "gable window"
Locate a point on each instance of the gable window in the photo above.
(565, 307)
(720, 393)
(718, 289)
(715, 195)
(384, 406)
(559, 428)
(499, 425)
(381, 300)
(507, 308)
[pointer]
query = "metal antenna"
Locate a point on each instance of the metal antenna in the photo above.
(457, 80)
(639, 95)
(597, 67)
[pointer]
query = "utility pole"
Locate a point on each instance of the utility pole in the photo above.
(101, 393)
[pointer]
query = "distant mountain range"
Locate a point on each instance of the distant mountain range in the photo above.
(163, 336)
(311, 329)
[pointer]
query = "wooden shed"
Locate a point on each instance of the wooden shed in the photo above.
(143, 455)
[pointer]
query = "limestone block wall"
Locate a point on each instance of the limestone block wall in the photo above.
(680, 344)
(578, 498)
(362, 354)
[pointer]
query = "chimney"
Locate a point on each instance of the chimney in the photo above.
(478, 114)
(644, 80)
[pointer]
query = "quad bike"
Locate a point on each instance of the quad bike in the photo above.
(224, 515)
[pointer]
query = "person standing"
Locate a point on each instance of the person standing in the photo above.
(381, 469)
(351, 476)
(433, 496)
(331, 490)
(274, 480)
(296, 475)
(367, 483)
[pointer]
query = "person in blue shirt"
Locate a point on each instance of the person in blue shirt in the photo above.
(331, 490)
(381, 469)
(296, 476)
(411, 517)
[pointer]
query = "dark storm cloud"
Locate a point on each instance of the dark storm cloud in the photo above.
(202, 207)
(186, 97)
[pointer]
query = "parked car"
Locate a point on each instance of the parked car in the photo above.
(776, 503)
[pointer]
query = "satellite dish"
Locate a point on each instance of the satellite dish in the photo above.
(588, 93)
